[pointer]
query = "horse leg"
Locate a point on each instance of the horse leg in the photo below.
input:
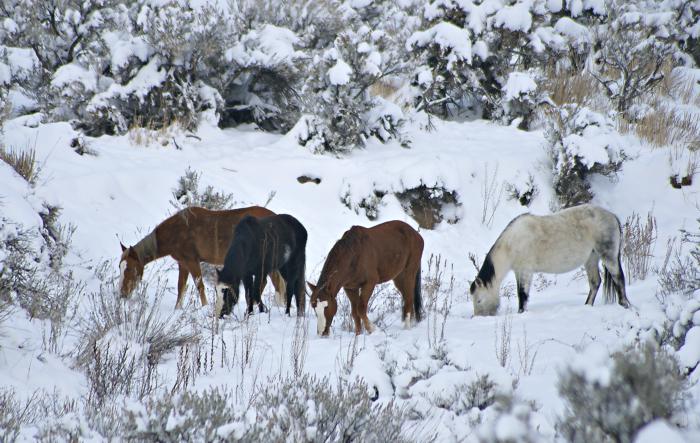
(365, 293)
(593, 277)
(249, 297)
(354, 296)
(405, 283)
(523, 281)
(196, 273)
(280, 287)
(181, 284)
(257, 291)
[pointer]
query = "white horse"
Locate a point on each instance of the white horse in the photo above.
(557, 243)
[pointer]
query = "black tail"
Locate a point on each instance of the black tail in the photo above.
(608, 286)
(610, 289)
(417, 297)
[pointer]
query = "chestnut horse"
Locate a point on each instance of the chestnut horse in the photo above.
(191, 236)
(363, 258)
(259, 247)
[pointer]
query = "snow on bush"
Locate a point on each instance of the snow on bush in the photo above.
(337, 93)
(187, 193)
(613, 400)
(581, 143)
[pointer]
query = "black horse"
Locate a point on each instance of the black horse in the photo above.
(260, 246)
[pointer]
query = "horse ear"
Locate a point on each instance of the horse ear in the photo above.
(311, 286)
(123, 247)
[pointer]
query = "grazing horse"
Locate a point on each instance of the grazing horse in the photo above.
(259, 247)
(557, 243)
(191, 236)
(363, 258)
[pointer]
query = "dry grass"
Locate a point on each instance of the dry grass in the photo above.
(22, 161)
(565, 88)
(383, 89)
(666, 127)
(143, 133)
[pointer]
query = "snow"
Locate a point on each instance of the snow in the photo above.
(659, 431)
(514, 18)
(518, 85)
(446, 36)
(74, 73)
(340, 73)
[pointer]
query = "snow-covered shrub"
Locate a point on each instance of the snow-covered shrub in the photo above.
(633, 54)
(430, 205)
(482, 59)
(580, 143)
(613, 403)
(187, 193)
(510, 420)
(336, 96)
(523, 192)
(305, 409)
(369, 204)
(189, 416)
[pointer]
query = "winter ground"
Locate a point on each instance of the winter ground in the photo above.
(125, 190)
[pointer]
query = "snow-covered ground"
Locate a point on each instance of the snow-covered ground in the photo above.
(125, 190)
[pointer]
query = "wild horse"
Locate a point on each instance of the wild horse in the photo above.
(363, 258)
(261, 246)
(191, 236)
(557, 243)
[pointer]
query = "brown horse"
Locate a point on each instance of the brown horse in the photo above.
(191, 236)
(363, 258)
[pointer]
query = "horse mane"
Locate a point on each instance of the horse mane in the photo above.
(487, 271)
(344, 247)
(147, 248)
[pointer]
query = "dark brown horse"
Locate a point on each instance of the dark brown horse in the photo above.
(191, 236)
(363, 258)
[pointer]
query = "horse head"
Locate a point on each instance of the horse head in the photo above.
(484, 297)
(325, 306)
(130, 271)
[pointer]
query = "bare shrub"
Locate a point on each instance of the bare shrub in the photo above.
(300, 346)
(385, 302)
(22, 161)
(680, 272)
(14, 414)
(502, 340)
(438, 289)
(632, 59)
(188, 193)
(638, 241)
(527, 353)
(644, 385)
(491, 195)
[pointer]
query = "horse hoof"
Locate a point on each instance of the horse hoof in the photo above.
(521, 310)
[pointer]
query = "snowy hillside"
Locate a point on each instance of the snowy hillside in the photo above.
(454, 117)
(123, 191)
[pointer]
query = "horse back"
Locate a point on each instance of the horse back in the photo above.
(202, 234)
(390, 248)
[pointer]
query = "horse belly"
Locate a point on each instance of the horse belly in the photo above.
(553, 260)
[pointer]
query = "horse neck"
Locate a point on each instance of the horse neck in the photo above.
(147, 248)
(501, 263)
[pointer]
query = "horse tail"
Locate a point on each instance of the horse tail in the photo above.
(417, 296)
(609, 288)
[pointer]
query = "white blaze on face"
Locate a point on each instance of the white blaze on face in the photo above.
(219, 299)
(320, 316)
(122, 273)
